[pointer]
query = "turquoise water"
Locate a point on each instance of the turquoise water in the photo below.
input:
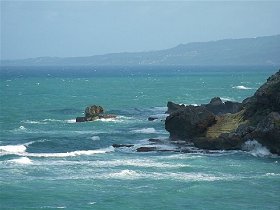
(48, 161)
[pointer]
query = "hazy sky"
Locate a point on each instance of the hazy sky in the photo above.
(82, 28)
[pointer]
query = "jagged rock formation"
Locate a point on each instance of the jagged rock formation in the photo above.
(94, 112)
(257, 117)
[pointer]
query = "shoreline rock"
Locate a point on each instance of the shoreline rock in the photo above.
(229, 125)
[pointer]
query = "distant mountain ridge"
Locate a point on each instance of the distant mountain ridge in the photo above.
(247, 51)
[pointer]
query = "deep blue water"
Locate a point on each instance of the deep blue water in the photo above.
(48, 161)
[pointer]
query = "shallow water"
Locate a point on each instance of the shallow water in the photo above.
(48, 161)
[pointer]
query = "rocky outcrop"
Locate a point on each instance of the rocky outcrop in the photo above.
(217, 106)
(189, 122)
(172, 107)
(94, 112)
(228, 125)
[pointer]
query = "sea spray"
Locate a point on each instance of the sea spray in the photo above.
(255, 148)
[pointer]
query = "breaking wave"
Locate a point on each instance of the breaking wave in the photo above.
(21, 151)
(256, 149)
(12, 149)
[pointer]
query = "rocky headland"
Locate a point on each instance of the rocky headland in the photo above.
(227, 126)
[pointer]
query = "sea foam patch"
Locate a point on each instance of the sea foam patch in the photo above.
(22, 160)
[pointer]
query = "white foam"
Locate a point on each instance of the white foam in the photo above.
(22, 160)
(241, 87)
(95, 138)
(52, 120)
(256, 149)
(12, 149)
(22, 127)
(227, 99)
(109, 120)
(160, 116)
(145, 131)
(92, 203)
(71, 154)
(179, 176)
(146, 163)
(71, 121)
(124, 174)
(33, 122)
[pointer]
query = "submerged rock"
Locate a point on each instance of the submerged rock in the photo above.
(94, 112)
(228, 125)
(122, 145)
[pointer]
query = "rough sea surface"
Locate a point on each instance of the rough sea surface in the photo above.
(47, 161)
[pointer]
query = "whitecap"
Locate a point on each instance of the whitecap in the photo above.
(123, 174)
(256, 149)
(241, 87)
(22, 160)
(71, 121)
(52, 120)
(71, 154)
(22, 127)
(145, 131)
(12, 149)
(33, 122)
(95, 138)
(108, 120)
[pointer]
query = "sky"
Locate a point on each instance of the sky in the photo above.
(84, 28)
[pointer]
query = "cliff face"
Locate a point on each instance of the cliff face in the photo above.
(228, 126)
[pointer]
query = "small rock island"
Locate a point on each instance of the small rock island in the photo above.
(94, 112)
(227, 126)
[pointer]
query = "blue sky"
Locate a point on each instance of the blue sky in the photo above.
(83, 28)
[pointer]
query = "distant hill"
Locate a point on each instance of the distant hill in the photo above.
(248, 51)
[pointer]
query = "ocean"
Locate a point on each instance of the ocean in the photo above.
(47, 161)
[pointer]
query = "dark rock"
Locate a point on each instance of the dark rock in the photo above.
(172, 107)
(122, 145)
(94, 112)
(217, 107)
(257, 117)
(106, 116)
(189, 122)
(267, 132)
(152, 118)
(81, 119)
(146, 149)
(216, 101)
